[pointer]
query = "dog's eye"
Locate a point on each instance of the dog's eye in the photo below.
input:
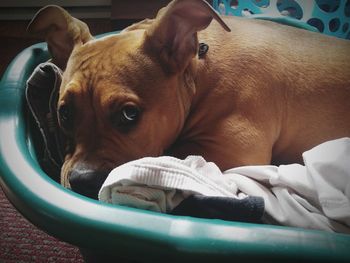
(65, 116)
(129, 115)
(126, 117)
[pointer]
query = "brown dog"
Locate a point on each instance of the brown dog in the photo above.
(263, 93)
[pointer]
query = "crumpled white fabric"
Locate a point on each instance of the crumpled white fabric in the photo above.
(315, 195)
(161, 183)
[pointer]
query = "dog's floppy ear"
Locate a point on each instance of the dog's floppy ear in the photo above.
(61, 31)
(173, 33)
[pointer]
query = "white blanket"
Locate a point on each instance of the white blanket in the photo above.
(315, 196)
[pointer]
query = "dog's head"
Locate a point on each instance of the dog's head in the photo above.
(123, 96)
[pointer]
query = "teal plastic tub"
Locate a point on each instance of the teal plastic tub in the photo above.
(128, 233)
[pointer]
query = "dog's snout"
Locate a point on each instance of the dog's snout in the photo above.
(87, 182)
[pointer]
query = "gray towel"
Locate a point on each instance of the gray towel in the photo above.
(42, 95)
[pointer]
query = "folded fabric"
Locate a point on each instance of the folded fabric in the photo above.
(42, 94)
(161, 183)
(249, 209)
(314, 196)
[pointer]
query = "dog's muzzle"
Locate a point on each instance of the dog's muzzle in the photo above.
(87, 182)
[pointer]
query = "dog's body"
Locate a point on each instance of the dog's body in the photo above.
(263, 97)
(263, 93)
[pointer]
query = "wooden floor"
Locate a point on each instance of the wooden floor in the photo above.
(13, 37)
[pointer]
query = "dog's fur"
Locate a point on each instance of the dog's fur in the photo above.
(264, 93)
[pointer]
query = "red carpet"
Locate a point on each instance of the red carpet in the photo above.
(22, 242)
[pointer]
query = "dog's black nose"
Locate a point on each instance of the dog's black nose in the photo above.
(87, 182)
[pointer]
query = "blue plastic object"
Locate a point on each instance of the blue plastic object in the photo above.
(331, 17)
